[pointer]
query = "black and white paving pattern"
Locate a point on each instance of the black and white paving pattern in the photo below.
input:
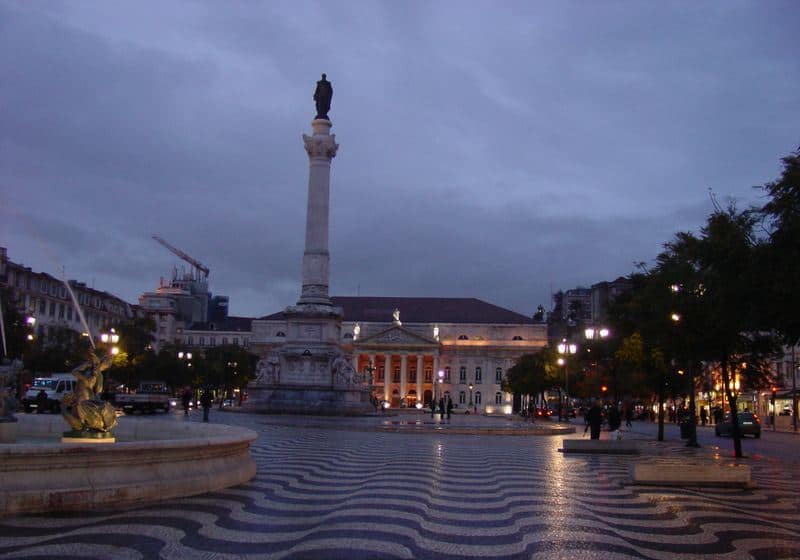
(353, 494)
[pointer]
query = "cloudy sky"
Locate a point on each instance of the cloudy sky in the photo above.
(499, 150)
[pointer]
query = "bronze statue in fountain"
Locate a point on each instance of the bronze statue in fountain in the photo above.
(89, 416)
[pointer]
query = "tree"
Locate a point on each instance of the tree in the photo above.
(62, 350)
(229, 367)
(136, 358)
(640, 318)
(15, 327)
(532, 374)
(722, 322)
(781, 256)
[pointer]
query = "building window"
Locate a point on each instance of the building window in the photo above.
(212, 341)
(477, 397)
(396, 375)
(498, 398)
(380, 373)
(189, 340)
(52, 309)
(427, 376)
(69, 313)
(42, 306)
(60, 310)
(348, 336)
(462, 374)
(478, 375)
(245, 342)
(498, 375)
(202, 341)
(412, 375)
(447, 374)
(462, 397)
(236, 341)
(280, 334)
(224, 341)
(463, 337)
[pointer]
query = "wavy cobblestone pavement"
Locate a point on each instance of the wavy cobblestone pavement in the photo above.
(373, 494)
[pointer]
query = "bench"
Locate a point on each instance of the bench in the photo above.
(691, 474)
(608, 446)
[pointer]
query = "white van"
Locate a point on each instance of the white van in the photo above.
(55, 387)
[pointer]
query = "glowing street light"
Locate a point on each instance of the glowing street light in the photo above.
(592, 333)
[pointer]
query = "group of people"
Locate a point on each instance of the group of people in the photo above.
(445, 407)
(596, 415)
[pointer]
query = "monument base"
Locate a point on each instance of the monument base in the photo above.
(77, 436)
(308, 399)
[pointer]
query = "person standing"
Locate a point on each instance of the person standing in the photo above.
(433, 408)
(614, 421)
(186, 400)
(441, 408)
(628, 416)
(41, 401)
(206, 400)
(449, 408)
(703, 415)
(595, 419)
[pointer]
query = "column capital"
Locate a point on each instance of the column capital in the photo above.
(320, 146)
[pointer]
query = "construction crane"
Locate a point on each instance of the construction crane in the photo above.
(194, 262)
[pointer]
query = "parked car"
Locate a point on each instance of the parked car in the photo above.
(46, 393)
(749, 424)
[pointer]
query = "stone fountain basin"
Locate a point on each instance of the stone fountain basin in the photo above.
(152, 460)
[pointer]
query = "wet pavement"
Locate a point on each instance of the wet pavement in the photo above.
(348, 488)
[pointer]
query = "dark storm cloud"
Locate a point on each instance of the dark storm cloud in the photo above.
(491, 151)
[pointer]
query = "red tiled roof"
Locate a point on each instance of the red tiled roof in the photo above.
(423, 310)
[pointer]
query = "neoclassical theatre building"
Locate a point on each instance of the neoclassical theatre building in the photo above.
(412, 344)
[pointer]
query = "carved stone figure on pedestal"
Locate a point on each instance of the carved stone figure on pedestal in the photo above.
(343, 372)
(322, 96)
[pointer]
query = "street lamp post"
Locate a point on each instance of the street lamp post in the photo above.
(565, 349)
(441, 394)
(471, 387)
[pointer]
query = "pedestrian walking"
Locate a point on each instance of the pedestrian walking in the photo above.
(433, 408)
(206, 400)
(186, 400)
(595, 420)
(41, 401)
(614, 420)
(441, 408)
(449, 408)
(628, 416)
(703, 416)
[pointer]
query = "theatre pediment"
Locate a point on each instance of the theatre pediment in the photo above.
(397, 336)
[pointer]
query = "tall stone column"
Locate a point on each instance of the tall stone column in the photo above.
(420, 379)
(387, 377)
(321, 148)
